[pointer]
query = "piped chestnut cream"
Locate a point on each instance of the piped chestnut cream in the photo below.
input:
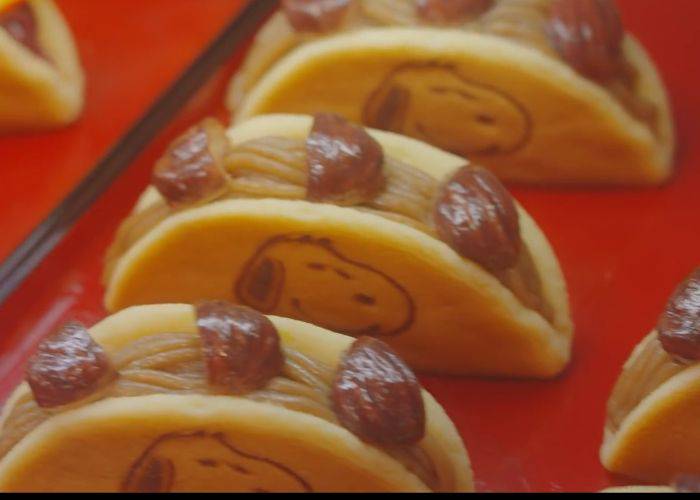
(663, 354)
(341, 163)
(238, 352)
(587, 35)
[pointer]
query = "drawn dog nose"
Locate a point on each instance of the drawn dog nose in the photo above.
(154, 475)
(387, 109)
(261, 284)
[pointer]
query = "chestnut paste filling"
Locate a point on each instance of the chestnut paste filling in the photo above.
(279, 167)
(184, 363)
(645, 372)
(584, 34)
(663, 354)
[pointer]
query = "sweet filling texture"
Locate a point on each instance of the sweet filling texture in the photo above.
(645, 372)
(276, 167)
(663, 354)
(525, 22)
(172, 363)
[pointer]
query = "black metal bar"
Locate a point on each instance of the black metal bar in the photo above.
(44, 238)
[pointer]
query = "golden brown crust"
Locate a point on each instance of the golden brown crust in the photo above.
(521, 21)
(167, 363)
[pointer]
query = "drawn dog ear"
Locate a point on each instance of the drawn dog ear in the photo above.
(386, 108)
(261, 284)
(152, 475)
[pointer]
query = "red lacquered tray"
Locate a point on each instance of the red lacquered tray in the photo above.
(131, 51)
(622, 251)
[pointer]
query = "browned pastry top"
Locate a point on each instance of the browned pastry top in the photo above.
(237, 352)
(587, 35)
(659, 357)
(341, 163)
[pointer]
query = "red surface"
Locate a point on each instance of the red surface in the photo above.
(622, 251)
(131, 51)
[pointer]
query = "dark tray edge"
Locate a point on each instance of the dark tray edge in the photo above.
(49, 233)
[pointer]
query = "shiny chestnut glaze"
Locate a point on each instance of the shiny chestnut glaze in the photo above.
(191, 170)
(344, 161)
(588, 34)
(377, 397)
(679, 325)
(316, 16)
(476, 216)
(67, 366)
(20, 23)
(241, 347)
(451, 11)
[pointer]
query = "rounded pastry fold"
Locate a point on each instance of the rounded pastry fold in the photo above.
(218, 397)
(651, 431)
(358, 231)
(41, 79)
(539, 91)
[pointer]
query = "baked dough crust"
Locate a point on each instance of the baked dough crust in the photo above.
(511, 107)
(37, 92)
(94, 447)
(659, 437)
(454, 316)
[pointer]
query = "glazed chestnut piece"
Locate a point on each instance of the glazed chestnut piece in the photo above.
(679, 325)
(315, 16)
(19, 22)
(451, 11)
(377, 397)
(344, 162)
(241, 347)
(588, 34)
(476, 216)
(192, 171)
(68, 366)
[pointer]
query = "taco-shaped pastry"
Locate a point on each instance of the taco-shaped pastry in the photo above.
(541, 91)
(218, 397)
(360, 232)
(651, 431)
(41, 79)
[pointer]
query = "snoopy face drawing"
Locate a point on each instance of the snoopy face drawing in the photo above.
(309, 279)
(199, 461)
(434, 103)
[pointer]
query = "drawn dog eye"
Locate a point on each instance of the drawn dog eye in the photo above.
(208, 462)
(485, 119)
(342, 274)
(316, 266)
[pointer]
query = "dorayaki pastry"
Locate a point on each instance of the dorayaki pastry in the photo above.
(218, 397)
(652, 431)
(540, 91)
(360, 232)
(41, 79)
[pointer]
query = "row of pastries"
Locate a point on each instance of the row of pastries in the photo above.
(281, 279)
